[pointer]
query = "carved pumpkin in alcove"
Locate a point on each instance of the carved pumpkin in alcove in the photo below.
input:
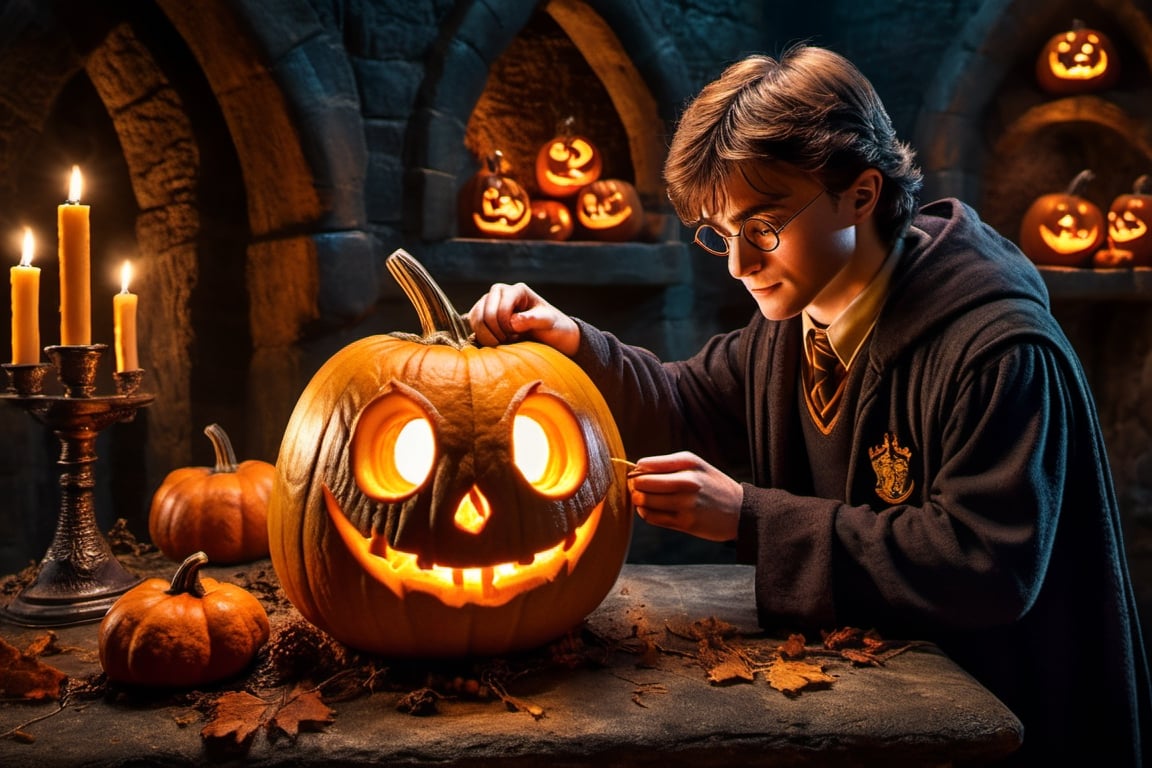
(1079, 60)
(1063, 229)
(493, 203)
(610, 209)
(1129, 220)
(551, 220)
(567, 162)
(439, 499)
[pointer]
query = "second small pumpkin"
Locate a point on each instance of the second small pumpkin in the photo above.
(220, 510)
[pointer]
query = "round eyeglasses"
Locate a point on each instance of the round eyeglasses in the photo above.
(759, 233)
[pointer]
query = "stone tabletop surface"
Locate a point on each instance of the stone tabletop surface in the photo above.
(646, 681)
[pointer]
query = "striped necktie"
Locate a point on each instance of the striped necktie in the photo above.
(823, 376)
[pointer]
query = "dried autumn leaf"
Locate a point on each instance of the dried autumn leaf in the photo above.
(845, 637)
(235, 718)
(793, 647)
(790, 677)
(302, 710)
(730, 668)
(25, 677)
(861, 658)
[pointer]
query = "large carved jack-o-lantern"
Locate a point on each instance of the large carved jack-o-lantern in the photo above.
(1063, 229)
(439, 499)
(1080, 60)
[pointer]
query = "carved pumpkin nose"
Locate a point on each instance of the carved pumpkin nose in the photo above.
(472, 512)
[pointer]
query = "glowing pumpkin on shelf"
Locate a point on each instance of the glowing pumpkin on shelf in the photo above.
(440, 499)
(551, 220)
(493, 203)
(1080, 60)
(1063, 229)
(1128, 222)
(567, 162)
(610, 209)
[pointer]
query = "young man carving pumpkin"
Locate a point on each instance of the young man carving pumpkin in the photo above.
(941, 476)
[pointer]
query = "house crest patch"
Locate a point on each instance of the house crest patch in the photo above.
(890, 463)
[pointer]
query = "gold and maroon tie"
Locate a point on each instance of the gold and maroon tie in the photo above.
(823, 377)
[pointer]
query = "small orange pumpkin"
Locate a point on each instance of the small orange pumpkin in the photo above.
(1080, 60)
(1063, 229)
(551, 220)
(567, 162)
(222, 510)
(182, 634)
(493, 203)
(610, 209)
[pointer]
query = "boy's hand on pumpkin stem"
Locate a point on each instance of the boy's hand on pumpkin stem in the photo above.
(510, 313)
(683, 492)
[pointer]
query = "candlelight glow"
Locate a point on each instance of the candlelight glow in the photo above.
(29, 248)
(530, 451)
(75, 185)
(415, 451)
(125, 276)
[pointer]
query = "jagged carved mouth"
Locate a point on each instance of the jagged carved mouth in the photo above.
(489, 585)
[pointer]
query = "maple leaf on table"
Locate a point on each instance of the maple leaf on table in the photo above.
(790, 677)
(238, 715)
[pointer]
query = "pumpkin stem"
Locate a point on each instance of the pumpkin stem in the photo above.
(438, 318)
(1081, 179)
(1142, 185)
(187, 578)
(225, 455)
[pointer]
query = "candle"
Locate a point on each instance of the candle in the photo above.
(75, 267)
(124, 322)
(26, 306)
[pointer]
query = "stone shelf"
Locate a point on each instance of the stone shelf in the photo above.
(544, 263)
(1067, 283)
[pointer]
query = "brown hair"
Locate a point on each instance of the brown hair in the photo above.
(812, 109)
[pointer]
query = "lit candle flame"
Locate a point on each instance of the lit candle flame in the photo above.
(125, 276)
(29, 248)
(76, 185)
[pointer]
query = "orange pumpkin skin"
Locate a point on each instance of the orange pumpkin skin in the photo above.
(1130, 223)
(1063, 229)
(610, 210)
(181, 634)
(220, 510)
(384, 564)
(1080, 60)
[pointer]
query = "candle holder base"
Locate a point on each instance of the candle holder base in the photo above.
(79, 578)
(62, 596)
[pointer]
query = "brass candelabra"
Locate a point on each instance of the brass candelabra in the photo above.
(79, 578)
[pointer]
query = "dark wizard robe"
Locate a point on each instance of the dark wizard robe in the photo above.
(978, 510)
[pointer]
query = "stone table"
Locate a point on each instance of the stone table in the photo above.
(646, 702)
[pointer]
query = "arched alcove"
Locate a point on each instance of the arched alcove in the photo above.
(439, 160)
